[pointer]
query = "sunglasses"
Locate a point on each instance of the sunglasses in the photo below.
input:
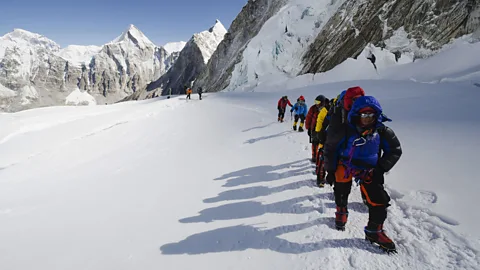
(367, 115)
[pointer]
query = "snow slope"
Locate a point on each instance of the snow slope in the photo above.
(109, 187)
(172, 47)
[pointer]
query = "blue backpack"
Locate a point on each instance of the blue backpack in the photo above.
(361, 152)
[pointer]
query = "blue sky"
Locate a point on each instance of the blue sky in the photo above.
(96, 22)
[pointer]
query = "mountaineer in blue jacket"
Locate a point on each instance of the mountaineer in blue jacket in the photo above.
(365, 152)
(301, 111)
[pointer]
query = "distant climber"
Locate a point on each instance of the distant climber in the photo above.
(301, 111)
(200, 91)
(282, 106)
(397, 54)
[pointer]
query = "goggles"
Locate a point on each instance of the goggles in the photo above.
(367, 115)
(318, 102)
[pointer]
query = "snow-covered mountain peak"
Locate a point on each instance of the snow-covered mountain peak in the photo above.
(172, 47)
(208, 40)
(218, 28)
(25, 38)
(135, 36)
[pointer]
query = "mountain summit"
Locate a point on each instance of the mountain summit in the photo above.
(208, 41)
(134, 35)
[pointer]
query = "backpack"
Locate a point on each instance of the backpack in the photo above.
(361, 152)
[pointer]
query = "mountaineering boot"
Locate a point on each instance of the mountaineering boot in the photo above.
(375, 234)
(300, 129)
(279, 119)
(341, 218)
(295, 126)
(321, 182)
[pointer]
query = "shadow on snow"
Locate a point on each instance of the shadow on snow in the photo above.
(243, 237)
(254, 140)
(265, 173)
(259, 127)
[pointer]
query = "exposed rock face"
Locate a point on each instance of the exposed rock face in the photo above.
(246, 25)
(427, 25)
(123, 66)
(191, 61)
(189, 64)
(41, 74)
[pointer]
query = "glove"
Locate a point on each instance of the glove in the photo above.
(330, 177)
(291, 110)
(309, 132)
(278, 108)
(378, 175)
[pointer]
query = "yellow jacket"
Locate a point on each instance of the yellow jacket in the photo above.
(320, 118)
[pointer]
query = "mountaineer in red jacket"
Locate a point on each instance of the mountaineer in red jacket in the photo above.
(282, 106)
(311, 122)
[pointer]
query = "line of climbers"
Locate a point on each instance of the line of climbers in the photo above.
(350, 141)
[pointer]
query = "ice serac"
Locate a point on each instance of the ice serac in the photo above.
(191, 61)
(426, 26)
(246, 25)
(40, 73)
(275, 53)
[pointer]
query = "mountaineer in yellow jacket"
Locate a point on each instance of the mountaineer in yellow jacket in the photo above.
(318, 138)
